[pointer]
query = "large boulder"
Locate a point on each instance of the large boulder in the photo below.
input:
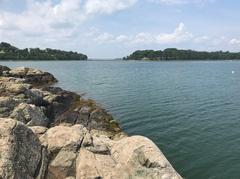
(91, 166)
(19, 91)
(142, 158)
(15, 88)
(131, 157)
(63, 143)
(32, 76)
(19, 72)
(63, 137)
(20, 151)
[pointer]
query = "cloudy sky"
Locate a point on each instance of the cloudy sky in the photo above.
(115, 28)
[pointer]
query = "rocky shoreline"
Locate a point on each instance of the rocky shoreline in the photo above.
(49, 133)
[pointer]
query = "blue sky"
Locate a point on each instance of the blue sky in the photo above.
(115, 28)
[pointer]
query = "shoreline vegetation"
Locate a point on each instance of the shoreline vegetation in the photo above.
(176, 54)
(48, 132)
(9, 52)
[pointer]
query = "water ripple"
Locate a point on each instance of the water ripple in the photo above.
(189, 109)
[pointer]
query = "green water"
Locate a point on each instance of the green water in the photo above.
(189, 109)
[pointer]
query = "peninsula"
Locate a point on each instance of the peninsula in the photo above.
(9, 52)
(48, 132)
(175, 54)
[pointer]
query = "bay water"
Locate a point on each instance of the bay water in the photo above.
(190, 109)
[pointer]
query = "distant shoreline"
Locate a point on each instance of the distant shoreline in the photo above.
(9, 52)
(184, 60)
(113, 60)
(170, 54)
(21, 60)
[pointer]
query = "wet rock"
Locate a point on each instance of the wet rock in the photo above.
(84, 114)
(35, 96)
(3, 69)
(58, 102)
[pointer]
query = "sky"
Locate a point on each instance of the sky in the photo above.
(116, 28)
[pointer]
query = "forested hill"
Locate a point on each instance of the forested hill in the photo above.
(9, 52)
(175, 54)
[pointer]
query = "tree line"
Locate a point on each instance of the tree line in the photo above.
(9, 52)
(175, 54)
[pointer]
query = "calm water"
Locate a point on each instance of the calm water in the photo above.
(189, 109)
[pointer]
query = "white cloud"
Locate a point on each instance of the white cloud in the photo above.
(107, 6)
(234, 41)
(60, 24)
(180, 37)
(50, 20)
(180, 34)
